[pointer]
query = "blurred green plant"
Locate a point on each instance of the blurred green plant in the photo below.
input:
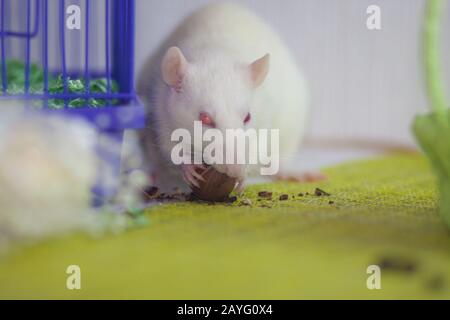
(78, 86)
(16, 85)
(15, 76)
(433, 130)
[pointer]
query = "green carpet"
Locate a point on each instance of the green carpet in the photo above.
(381, 211)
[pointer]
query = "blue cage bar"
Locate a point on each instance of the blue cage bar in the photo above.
(41, 25)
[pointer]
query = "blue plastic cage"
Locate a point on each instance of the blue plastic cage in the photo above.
(35, 33)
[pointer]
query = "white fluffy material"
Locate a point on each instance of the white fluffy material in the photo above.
(47, 167)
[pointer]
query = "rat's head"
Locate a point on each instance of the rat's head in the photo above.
(214, 89)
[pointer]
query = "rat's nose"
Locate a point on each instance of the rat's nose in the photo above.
(235, 170)
(232, 170)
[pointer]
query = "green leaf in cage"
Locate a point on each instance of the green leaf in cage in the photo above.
(16, 86)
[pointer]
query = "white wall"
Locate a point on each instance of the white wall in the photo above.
(365, 84)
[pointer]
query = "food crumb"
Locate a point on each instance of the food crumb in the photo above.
(398, 264)
(246, 202)
(319, 192)
(265, 194)
(284, 197)
(436, 283)
(149, 193)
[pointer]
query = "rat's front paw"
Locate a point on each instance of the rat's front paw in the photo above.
(192, 174)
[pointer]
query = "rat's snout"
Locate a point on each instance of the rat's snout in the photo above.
(232, 170)
(235, 171)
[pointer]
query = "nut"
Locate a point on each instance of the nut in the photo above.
(216, 187)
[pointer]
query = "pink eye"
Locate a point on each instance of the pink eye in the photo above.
(248, 118)
(206, 119)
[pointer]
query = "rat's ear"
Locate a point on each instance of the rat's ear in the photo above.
(173, 67)
(259, 70)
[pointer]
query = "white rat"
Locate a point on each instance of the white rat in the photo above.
(227, 68)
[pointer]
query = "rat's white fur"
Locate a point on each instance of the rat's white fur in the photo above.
(220, 42)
